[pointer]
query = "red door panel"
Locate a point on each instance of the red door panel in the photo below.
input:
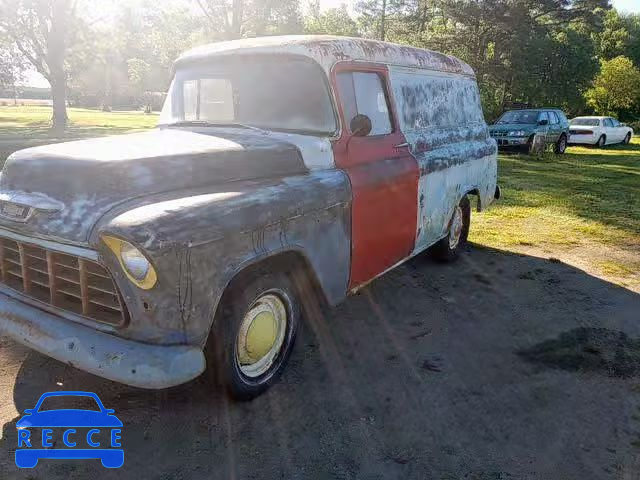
(384, 181)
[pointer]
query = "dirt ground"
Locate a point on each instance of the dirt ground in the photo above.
(501, 366)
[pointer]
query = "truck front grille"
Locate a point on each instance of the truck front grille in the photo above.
(65, 281)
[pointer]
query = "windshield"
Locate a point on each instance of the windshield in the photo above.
(591, 122)
(519, 116)
(271, 92)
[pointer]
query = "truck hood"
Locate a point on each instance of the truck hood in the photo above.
(67, 187)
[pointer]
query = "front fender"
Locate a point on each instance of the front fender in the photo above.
(198, 241)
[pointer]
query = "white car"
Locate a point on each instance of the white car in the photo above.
(598, 131)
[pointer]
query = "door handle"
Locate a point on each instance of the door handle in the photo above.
(401, 145)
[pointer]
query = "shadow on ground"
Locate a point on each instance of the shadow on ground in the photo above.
(598, 350)
(499, 366)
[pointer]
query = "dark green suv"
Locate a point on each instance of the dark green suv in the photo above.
(516, 128)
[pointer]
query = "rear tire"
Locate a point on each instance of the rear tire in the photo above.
(244, 362)
(448, 248)
(601, 141)
(561, 145)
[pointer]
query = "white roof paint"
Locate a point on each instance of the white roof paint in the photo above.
(328, 50)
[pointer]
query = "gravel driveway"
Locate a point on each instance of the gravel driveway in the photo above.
(500, 366)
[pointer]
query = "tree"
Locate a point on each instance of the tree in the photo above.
(11, 64)
(231, 19)
(614, 38)
(132, 54)
(378, 18)
(42, 31)
(139, 76)
(538, 52)
(616, 89)
(334, 21)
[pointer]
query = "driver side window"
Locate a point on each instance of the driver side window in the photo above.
(363, 93)
(543, 116)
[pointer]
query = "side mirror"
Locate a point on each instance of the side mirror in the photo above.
(28, 411)
(543, 122)
(360, 125)
(109, 411)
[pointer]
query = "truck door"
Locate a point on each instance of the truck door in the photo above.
(383, 174)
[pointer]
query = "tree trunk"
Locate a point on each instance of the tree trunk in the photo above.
(59, 101)
(383, 18)
(237, 15)
(55, 60)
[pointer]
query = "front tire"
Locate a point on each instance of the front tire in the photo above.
(627, 139)
(561, 145)
(448, 248)
(255, 333)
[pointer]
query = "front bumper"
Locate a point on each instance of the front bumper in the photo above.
(125, 361)
(511, 141)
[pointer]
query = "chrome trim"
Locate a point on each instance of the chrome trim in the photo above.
(30, 212)
(53, 246)
(38, 201)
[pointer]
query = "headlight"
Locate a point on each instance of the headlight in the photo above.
(134, 261)
(134, 264)
(517, 133)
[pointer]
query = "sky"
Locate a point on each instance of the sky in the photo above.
(627, 6)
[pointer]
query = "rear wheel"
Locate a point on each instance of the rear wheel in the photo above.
(255, 333)
(601, 141)
(561, 145)
(447, 249)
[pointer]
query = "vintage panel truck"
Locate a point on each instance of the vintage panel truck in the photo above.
(327, 159)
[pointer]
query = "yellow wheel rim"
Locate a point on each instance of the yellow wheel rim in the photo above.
(455, 232)
(261, 335)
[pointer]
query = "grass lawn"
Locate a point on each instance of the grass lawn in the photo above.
(25, 126)
(33, 121)
(582, 208)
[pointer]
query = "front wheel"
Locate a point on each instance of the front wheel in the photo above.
(627, 139)
(255, 333)
(447, 249)
(561, 145)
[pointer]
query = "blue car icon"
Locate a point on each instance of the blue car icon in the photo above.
(27, 454)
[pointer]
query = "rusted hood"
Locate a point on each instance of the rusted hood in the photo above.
(72, 185)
